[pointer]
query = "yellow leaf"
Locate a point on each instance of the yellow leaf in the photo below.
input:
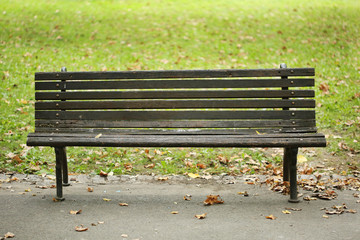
(194, 175)
(201, 216)
(73, 212)
(286, 212)
(272, 217)
(99, 135)
(106, 199)
(301, 159)
(174, 212)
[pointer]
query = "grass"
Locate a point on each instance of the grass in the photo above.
(148, 35)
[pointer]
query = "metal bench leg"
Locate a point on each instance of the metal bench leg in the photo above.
(59, 152)
(64, 166)
(286, 161)
(292, 159)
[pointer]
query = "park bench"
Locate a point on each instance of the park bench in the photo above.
(177, 108)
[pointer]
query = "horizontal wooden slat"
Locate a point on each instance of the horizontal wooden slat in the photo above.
(218, 73)
(174, 104)
(119, 131)
(160, 94)
(167, 115)
(189, 134)
(39, 123)
(286, 140)
(173, 84)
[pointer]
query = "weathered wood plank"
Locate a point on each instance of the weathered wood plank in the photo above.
(179, 141)
(175, 104)
(40, 123)
(182, 131)
(188, 135)
(167, 115)
(217, 73)
(162, 94)
(174, 84)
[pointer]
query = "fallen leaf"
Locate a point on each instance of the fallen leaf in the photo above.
(324, 87)
(124, 235)
(81, 228)
(9, 235)
(324, 216)
(28, 190)
(193, 175)
(301, 159)
(101, 222)
(244, 193)
(151, 165)
(90, 189)
(174, 212)
(308, 198)
(99, 135)
(294, 209)
(103, 174)
(201, 166)
(73, 212)
(187, 197)
(55, 200)
(272, 217)
(351, 211)
(106, 199)
(123, 204)
(213, 199)
(162, 178)
(286, 212)
(201, 216)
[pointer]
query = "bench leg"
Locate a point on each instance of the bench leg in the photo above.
(64, 167)
(59, 152)
(292, 159)
(286, 161)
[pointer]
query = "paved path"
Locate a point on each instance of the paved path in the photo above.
(34, 215)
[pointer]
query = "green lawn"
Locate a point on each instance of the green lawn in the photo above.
(39, 35)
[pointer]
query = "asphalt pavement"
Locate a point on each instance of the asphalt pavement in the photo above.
(157, 209)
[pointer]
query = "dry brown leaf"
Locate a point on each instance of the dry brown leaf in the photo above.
(174, 212)
(74, 212)
(201, 166)
(123, 204)
(213, 199)
(308, 198)
(103, 174)
(324, 87)
(271, 217)
(90, 189)
(151, 165)
(201, 216)
(81, 228)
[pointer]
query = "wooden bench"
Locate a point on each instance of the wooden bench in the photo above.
(177, 108)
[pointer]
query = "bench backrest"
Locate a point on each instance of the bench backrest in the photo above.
(226, 101)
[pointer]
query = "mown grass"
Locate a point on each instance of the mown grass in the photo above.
(148, 35)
